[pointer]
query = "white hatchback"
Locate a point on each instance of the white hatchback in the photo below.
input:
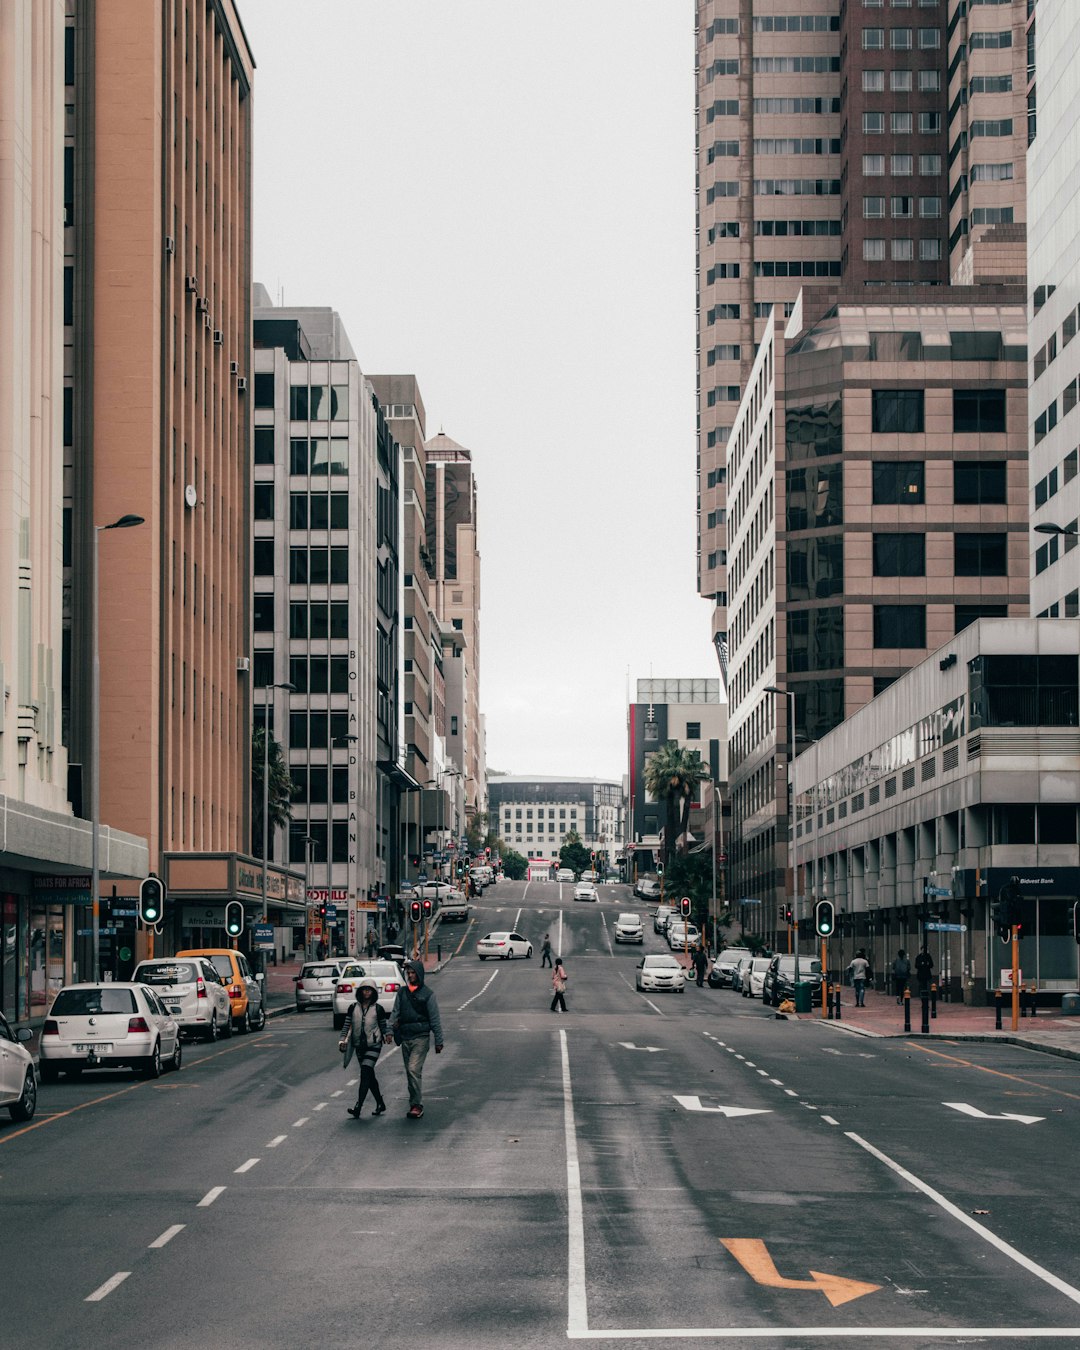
(108, 1026)
(18, 1076)
(629, 928)
(192, 990)
(503, 946)
(660, 972)
(387, 977)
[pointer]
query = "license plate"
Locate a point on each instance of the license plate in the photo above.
(99, 1046)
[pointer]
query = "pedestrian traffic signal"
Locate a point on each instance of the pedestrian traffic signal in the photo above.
(659, 869)
(684, 907)
(487, 852)
(414, 911)
(151, 900)
(427, 909)
(824, 918)
(234, 918)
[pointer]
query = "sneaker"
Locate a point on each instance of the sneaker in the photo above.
(414, 1112)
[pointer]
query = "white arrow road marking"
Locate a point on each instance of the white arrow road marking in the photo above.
(982, 1115)
(652, 1049)
(694, 1104)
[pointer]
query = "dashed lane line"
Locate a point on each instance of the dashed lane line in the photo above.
(210, 1196)
(277, 1139)
(246, 1167)
(104, 1290)
(302, 1121)
(475, 996)
(168, 1235)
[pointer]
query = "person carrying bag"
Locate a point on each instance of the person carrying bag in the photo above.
(364, 1034)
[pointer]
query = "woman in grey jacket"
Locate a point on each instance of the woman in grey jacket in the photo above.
(365, 1034)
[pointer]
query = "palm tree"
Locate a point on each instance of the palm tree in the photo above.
(280, 794)
(672, 775)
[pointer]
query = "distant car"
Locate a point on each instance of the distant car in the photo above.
(387, 976)
(778, 983)
(564, 874)
(585, 890)
(193, 992)
(660, 972)
(629, 928)
(391, 951)
(108, 1026)
(433, 890)
(590, 875)
(681, 934)
(752, 975)
(503, 946)
(723, 968)
(648, 888)
(661, 915)
(18, 1074)
(315, 983)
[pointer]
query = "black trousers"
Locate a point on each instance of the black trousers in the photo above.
(368, 1083)
(558, 999)
(545, 960)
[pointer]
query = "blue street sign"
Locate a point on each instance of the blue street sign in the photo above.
(946, 927)
(936, 890)
(263, 935)
(124, 913)
(421, 877)
(380, 901)
(331, 911)
(89, 932)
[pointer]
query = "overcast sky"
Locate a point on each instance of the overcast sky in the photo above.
(498, 197)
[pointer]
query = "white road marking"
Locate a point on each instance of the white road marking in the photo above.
(577, 1306)
(277, 1139)
(302, 1121)
(652, 1049)
(694, 1104)
(764, 1073)
(927, 1335)
(829, 1120)
(168, 1235)
(790, 1092)
(246, 1167)
(352, 1082)
(338, 1093)
(976, 1114)
(320, 1106)
(477, 994)
(776, 1082)
(653, 1006)
(210, 1196)
(110, 1284)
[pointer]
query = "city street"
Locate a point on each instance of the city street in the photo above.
(647, 1168)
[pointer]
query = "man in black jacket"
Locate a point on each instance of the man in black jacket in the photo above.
(415, 1020)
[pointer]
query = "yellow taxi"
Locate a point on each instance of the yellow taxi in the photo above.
(245, 990)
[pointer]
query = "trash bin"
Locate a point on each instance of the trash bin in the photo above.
(804, 997)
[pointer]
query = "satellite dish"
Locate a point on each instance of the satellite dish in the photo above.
(190, 495)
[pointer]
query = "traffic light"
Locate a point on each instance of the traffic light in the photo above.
(426, 908)
(414, 911)
(684, 907)
(487, 852)
(824, 918)
(151, 900)
(1076, 920)
(659, 869)
(234, 918)
(414, 859)
(592, 855)
(788, 915)
(322, 911)
(1005, 911)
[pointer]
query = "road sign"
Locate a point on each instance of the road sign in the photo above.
(936, 890)
(89, 932)
(421, 877)
(380, 901)
(331, 911)
(263, 936)
(946, 927)
(124, 913)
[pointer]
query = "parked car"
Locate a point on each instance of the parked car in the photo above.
(504, 946)
(779, 980)
(660, 972)
(585, 890)
(629, 928)
(192, 991)
(315, 983)
(18, 1073)
(751, 975)
(564, 874)
(245, 989)
(681, 934)
(723, 968)
(108, 1026)
(648, 888)
(387, 976)
(661, 915)
(433, 890)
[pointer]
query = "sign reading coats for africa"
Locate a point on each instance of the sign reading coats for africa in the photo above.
(263, 936)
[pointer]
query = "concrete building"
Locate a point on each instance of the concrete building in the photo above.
(921, 806)
(533, 815)
(878, 506)
(1054, 270)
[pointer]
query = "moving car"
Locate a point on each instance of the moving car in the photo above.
(245, 990)
(660, 972)
(778, 983)
(315, 983)
(504, 946)
(387, 976)
(585, 890)
(724, 966)
(18, 1073)
(629, 928)
(681, 934)
(661, 915)
(108, 1026)
(192, 991)
(590, 875)
(752, 975)
(564, 874)
(648, 888)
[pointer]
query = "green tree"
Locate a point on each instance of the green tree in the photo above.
(574, 854)
(477, 832)
(691, 874)
(672, 775)
(280, 793)
(515, 867)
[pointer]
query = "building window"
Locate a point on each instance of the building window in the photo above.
(929, 250)
(903, 250)
(979, 484)
(900, 626)
(929, 123)
(264, 445)
(903, 207)
(965, 615)
(930, 165)
(873, 166)
(873, 39)
(873, 123)
(929, 39)
(929, 81)
(897, 410)
(900, 555)
(873, 81)
(900, 39)
(929, 208)
(263, 498)
(902, 166)
(978, 410)
(262, 613)
(264, 390)
(980, 555)
(900, 82)
(900, 123)
(262, 557)
(873, 208)
(873, 250)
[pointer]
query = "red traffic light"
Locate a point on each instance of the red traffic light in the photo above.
(414, 911)
(487, 853)
(684, 906)
(427, 909)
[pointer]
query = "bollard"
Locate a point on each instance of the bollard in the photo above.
(438, 953)
(925, 1000)
(997, 1010)
(836, 996)
(907, 1009)
(933, 1000)
(1033, 996)
(829, 1000)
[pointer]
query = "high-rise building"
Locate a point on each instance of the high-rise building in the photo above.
(533, 815)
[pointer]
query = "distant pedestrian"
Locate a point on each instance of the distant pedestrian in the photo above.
(415, 1020)
(700, 963)
(364, 1035)
(558, 983)
(860, 973)
(901, 973)
(372, 942)
(545, 951)
(924, 970)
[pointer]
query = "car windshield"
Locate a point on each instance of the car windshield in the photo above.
(172, 972)
(83, 1002)
(652, 962)
(319, 972)
(223, 966)
(496, 937)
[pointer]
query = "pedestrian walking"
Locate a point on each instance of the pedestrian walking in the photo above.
(372, 942)
(860, 974)
(365, 1034)
(414, 1021)
(545, 951)
(901, 973)
(558, 983)
(924, 970)
(700, 963)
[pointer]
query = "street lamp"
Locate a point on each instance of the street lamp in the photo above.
(281, 684)
(1050, 528)
(336, 743)
(124, 523)
(793, 810)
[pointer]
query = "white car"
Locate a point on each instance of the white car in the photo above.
(387, 976)
(590, 875)
(660, 972)
(18, 1075)
(629, 928)
(316, 983)
(681, 934)
(564, 874)
(433, 890)
(585, 890)
(503, 946)
(751, 981)
(108, 1026)
(192, 990)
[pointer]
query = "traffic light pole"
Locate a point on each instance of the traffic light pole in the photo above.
(824, 980)
(1015, 929)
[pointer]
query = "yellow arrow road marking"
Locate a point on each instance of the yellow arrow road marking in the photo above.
(753, 1256)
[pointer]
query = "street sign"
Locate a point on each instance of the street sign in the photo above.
(331, 911)
(946, 927)
(421, 877)
(263, 936)
(89, 932)
(936, 890)
(380, 900)
(124, 913)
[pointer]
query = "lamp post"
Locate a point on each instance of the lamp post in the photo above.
(281, 684)
(336, 743)
(1050, 528)
(789, 694)
(309, 844)
(124, 523)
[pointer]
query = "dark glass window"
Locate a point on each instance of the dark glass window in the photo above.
(1024, 691)
(330, 511)
(979, 484)
(264, 390)
(820, 708)
(298, 671)
(339, 619)
(1057, 823)
(298, 402)
(816, 639)
(262, 613)
(317, 401)
(298, 566)
(262, 669)
(899, 555)
(339, 566)
(967, 614)
(69, 414)
(815, 567)
(882, 682)
(262, 557)
(693, 731)
(69, 295)
(899, 625)
(69, 55)
(320, 621)
(298, 456)
(815, 431)
(264, 445)
(815, 496)
(980, 555)
(978, 410)
(897, 410)
(264, 501)
(1014, 823)
(298, 619)
(339, 674)
(298, 510)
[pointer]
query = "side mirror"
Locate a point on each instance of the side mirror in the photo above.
(260, 976)
(24, 1034)
(296, 979)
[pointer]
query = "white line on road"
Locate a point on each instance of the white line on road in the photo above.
(302, 1121)
(577, 1310)
(653, 1006)
(338, 1093)
(246, 1167)
(320, 1106)
(790, 1092)
(210, 1196)
(107, 1287)
(478, 993)
(277, 1139)
(776, 1082)
(829, 1120)
(168, 1235)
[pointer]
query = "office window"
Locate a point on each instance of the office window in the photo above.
(900, 123)
(873, 208)
(930, 208)
(929, 81)
(900, 81)
(900, 626)
(964, 615)
(262, 557)
(873, 39)
(897, 410)
(930, 165)
(264, 445)
(929, 39)
(298, 402)
(979, 484)
(263, 498)
(873, 250)
(929, 250)
(929, 123)
(693, 733)
(979, 410)
(902, 207)
(873, 81)
(873, 123)
(873, 166)
(900, 555)
(902, 166)
(980, 555)
(262, 613)
(900, 39)
(264, 390)
(298, 456)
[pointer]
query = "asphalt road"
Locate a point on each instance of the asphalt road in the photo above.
(644, 1169)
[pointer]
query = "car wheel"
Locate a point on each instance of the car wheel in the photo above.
(212, 1031)
(260, 1020)
(49, 1073)
(339, 1021)
(482, 958)
(682, 988)
(226, 1030)
(177, 1057)
(528, 955)
(152, 1067)
(25, 1107)
(510, 954)
(240, 1024)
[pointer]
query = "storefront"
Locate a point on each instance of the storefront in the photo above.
(200, 886)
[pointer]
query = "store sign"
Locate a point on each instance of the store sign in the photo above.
(202, 916)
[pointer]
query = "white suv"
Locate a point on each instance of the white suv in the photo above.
(628, 928)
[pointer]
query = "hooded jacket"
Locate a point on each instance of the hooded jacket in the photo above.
(365, 1029)
(416, 1012)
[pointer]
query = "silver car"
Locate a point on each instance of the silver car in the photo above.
(387, 977)
(628, 928)
(192, 991)
(108, 1026)
(316, 983)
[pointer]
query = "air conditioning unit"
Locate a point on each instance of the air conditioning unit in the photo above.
(243, 665)
(241, 384)
(192, 285)
(219, 338)
(170, 245)
(202, 306)
(234, 367)
(207, 322)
